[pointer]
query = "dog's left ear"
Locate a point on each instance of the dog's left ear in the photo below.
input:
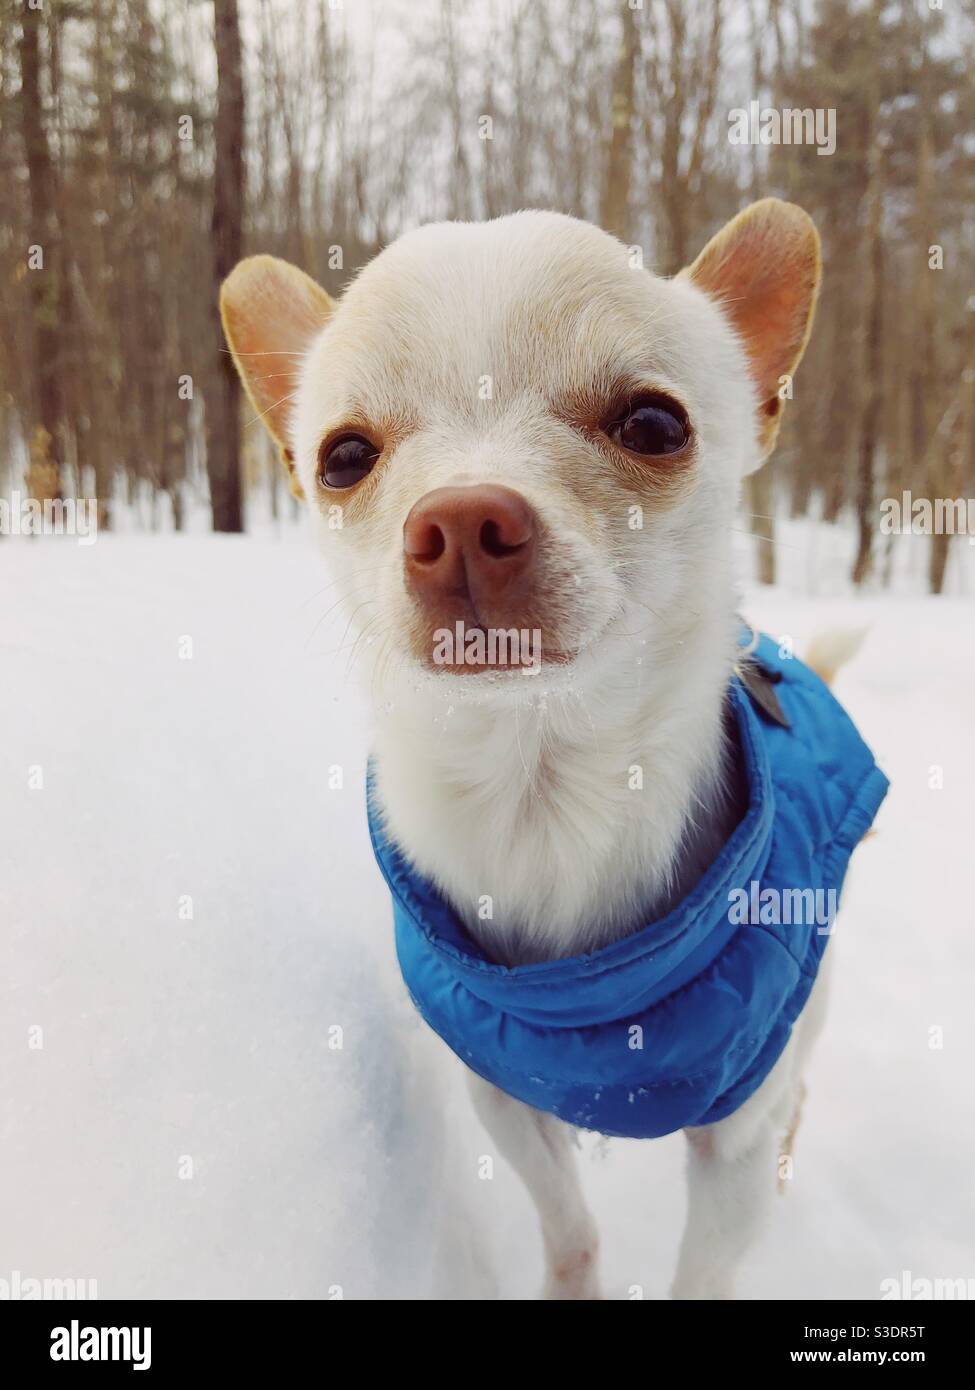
(764, 269)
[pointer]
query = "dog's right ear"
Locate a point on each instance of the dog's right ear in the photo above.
(271, 313)
(764, 269)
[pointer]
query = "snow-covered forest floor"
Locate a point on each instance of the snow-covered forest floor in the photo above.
(187, 1128)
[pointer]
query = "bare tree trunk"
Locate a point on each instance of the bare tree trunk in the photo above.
(615, 201)
(923, 363)
(952, 448)
(671, 191)
(693, 65)
(759, 492)
(223, 410)
(873, 356)
(46, 439)
(460, 196)
(937, 459)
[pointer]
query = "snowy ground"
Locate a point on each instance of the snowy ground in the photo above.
(188, 1130)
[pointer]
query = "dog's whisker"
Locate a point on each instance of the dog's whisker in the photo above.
(284, 399)
(329, 611)
(343, 578)
(266, 352)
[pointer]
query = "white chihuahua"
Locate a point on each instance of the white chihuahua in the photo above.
(511, 426)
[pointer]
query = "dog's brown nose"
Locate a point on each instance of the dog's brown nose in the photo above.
(474, 543)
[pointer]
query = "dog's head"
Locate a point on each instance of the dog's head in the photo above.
(511, 429)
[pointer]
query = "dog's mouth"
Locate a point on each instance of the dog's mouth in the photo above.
(547, 630)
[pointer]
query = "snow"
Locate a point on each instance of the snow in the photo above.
(190, 1128)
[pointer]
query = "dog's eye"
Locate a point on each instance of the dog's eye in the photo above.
(346, 461)
(651, 426)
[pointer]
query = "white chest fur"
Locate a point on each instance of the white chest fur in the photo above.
(559, 823)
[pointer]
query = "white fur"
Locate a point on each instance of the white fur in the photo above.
(520, 792)
(515, 790)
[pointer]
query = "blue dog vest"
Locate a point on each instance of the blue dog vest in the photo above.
(679, 1023)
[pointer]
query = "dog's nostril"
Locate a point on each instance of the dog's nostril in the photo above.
(493, 543)
(428, 547)
(435, 546)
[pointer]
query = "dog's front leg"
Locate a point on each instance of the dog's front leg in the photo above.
(731, 1180)
(540, 1149)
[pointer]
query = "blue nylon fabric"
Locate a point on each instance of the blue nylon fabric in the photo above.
(715, 999)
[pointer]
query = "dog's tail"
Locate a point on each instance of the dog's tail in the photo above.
(828, 651)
